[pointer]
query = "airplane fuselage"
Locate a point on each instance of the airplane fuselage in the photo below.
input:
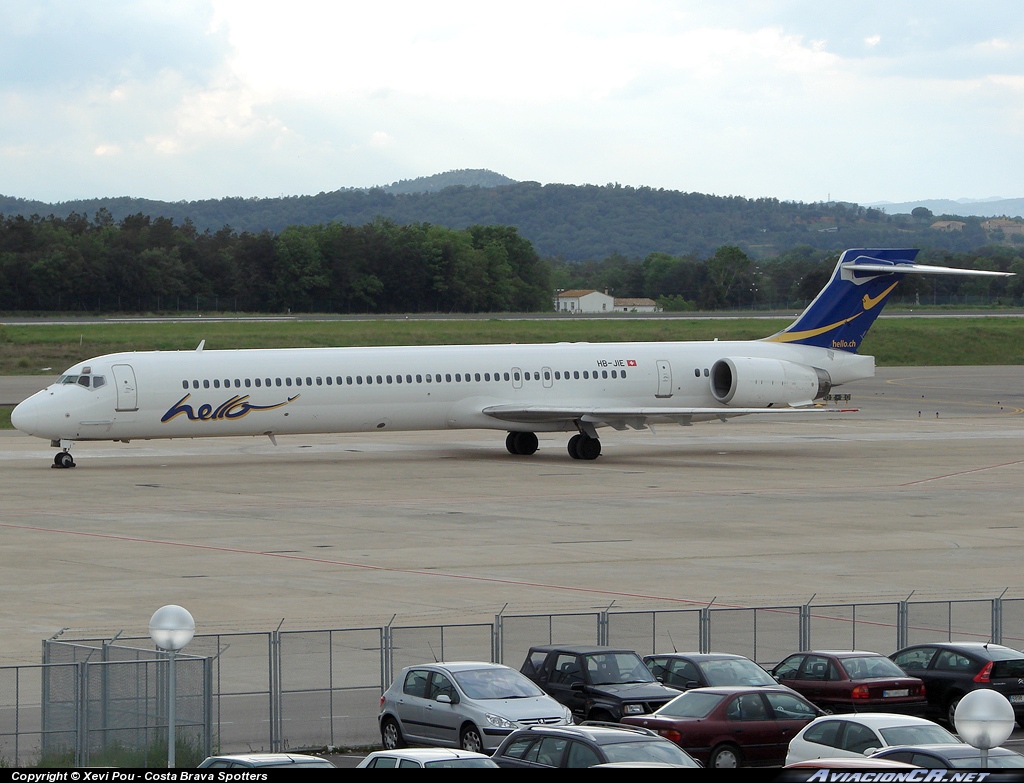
(192, 394)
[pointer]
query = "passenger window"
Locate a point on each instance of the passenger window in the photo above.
(216, 383)
(506, 377)
(206, 384)
(604, 374)
(815, 668)
(576, 374)
(950, 661)
(448, 378)
(248, 383)
(408, 379)
(184, 384)
(458, 378)
(440, 686)
(859, 738)
(416, 683)
(518, 748)
(309, 381)
(581, 755)
(380, 380)
(825, 733)
(477, 376)
(258, 383)
(419, 379)
(277, 381)
(915, 660)
(550, 750)
(398, 378)
(287, 381)
(298, 381)
(390, 379)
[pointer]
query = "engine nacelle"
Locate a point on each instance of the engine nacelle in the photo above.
(746, 382)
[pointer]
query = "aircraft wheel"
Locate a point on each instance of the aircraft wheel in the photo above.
(510, 443)
(526, 443)
(64, 460)
(588, 448)
(574, 441)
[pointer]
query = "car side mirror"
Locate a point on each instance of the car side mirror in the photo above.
(444, 698)
(870, 751)
(576, 686)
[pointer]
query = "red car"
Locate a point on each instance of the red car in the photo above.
(852, 681)
(732, 726)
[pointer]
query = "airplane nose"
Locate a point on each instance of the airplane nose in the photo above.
(24, 418)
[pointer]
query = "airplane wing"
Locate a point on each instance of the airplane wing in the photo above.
(631, 418)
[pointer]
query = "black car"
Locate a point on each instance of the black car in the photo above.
(595, 682)
(952, 669)
(587, 745)
(958, 756)
(688, 670)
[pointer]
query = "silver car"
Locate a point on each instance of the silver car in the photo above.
(467, 705)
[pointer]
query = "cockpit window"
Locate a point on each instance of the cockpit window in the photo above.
(87, 381)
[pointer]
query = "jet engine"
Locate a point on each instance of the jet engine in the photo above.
(746, 382)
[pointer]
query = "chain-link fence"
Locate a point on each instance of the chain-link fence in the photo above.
(91, 701)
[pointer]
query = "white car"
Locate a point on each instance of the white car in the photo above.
(856, 736)
(468, 705)
(424, 758)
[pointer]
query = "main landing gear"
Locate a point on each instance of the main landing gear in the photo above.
(581, 445)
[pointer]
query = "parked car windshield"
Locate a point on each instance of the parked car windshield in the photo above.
(916, 735)
(866, 666)
(617, 668)
(691, 704)
(651, 750)
(496, 684)
(735, 671)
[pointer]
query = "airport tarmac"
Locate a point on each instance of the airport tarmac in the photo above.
(919, 491)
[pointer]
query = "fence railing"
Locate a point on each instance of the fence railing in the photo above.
(297, 689)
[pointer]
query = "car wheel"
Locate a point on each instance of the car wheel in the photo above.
(725, 757)
(951, 710)
(470, 739)
(391, 735)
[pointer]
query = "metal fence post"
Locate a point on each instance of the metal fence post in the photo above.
(805, 627)
(498, 640)
(902, 624)
(997, 619)
(704, 633)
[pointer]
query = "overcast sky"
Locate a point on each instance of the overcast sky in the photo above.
(796, 99)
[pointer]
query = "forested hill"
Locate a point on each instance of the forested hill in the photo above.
(573, 222)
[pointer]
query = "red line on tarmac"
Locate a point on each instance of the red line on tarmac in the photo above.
(364, 566)
(961, 473)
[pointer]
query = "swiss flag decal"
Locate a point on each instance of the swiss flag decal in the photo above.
(631, 362)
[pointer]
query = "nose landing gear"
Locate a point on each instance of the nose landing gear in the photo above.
(63, 459)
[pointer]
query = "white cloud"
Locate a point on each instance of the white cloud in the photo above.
(203, 98)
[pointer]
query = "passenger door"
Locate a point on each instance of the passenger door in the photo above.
(443, 719)
(127, 392)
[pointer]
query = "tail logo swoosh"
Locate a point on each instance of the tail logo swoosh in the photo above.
(870, 302)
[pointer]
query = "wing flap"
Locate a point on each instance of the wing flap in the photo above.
(632, 418)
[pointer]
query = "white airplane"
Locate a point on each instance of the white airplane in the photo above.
(523, 389)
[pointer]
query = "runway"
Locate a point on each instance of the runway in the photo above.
(919, 491)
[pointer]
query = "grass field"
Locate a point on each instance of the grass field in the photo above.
(29, 349)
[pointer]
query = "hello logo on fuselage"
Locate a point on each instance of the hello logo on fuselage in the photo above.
(235, 408)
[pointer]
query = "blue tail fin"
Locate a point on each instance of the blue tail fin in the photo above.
(844, 310)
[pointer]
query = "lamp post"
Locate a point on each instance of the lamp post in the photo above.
(171, 628)
(984, 718)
